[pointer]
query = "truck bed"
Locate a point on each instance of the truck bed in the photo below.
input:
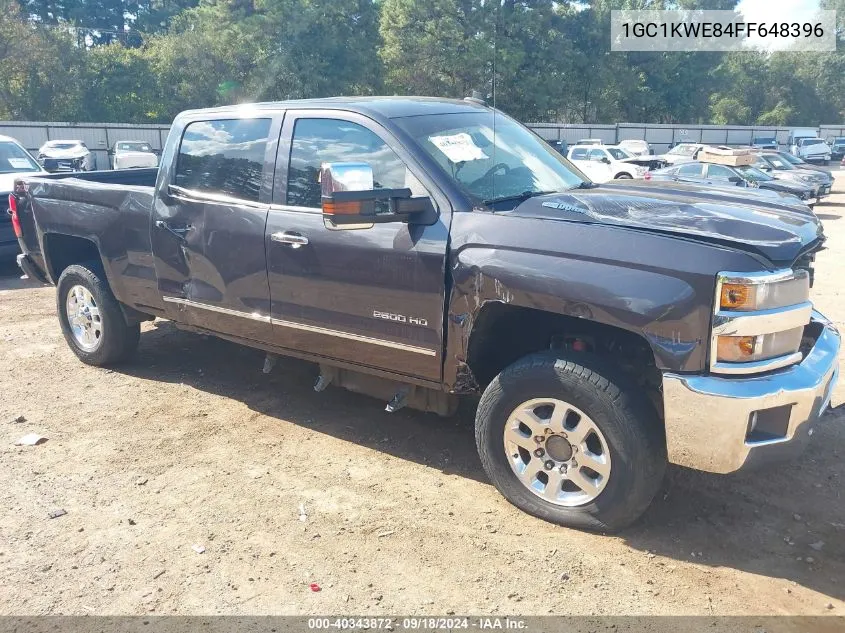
(109, 209)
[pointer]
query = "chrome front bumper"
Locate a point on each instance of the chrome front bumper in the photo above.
(711, 420)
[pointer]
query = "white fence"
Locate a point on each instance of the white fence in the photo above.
(99, 137)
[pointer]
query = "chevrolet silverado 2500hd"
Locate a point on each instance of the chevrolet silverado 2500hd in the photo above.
(420, 250)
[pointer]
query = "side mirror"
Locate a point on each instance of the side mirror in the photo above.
(735, 179)
(605, 160)
(350, 201)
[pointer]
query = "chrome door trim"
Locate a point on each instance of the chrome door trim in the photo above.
(255, 316)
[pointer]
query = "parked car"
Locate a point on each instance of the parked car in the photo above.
(764, 142)
(837, 148)
(812, 149)
(418, 250)
(590, 141)
(800, 163)
(133, 155)
(635, 147)
(605, 162)
(772, 163)
(15, 161)
(66, 156)
(681, 153)
(723, 175)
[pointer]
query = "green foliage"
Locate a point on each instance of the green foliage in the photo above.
(146, 60)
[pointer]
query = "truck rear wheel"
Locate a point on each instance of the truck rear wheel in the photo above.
(91, 319)
(566, 439)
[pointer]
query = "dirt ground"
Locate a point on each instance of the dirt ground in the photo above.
(191, 445)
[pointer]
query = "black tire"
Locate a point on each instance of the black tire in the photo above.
(628, 422)
(118, 340)
(623, 176)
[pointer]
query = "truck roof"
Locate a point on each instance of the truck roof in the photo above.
(379, 107)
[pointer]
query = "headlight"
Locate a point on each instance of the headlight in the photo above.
(759, 320)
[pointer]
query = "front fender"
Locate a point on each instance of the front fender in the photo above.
(655, 286)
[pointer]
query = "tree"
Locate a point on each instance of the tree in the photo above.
(40, 70)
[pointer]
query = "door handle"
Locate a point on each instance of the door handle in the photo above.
(288, 237)
(178, 232)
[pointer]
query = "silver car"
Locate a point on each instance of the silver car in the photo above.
(66, 156)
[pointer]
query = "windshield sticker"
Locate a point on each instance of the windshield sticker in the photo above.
(19, 163)
(458, 148)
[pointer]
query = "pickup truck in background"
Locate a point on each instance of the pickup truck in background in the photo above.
(423, 250)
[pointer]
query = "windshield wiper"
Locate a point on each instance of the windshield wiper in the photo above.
(586, 185)
(519, 197)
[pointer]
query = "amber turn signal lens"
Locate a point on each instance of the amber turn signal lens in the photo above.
(342, 208)
(737, 296)
(735, 348)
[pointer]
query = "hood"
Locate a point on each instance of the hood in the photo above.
(816, 171)
(773, 229)
(52, 152)
(644, 160)
(136, 158)
(788, 186)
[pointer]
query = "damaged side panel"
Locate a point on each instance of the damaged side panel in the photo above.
(591, 272)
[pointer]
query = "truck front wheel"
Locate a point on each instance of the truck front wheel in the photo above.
(566, 439)
(91, 319)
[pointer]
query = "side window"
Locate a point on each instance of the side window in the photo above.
(225, 156)
(718, 172)
(318, 141)
(596, 154)
(579, 153)
(691, 170)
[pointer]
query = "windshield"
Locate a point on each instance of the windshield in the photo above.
(753, 174)
(683, 150)
(14, 158)
(778, 163)
(134, 147)
(794, 160)
(512, 163)
(618, 153)
(810, 141)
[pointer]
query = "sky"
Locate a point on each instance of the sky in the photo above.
(787, 11)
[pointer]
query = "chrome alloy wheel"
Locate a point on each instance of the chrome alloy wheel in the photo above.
(557, 452)
(83, 317)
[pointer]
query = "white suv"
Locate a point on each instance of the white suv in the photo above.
(811, 149)
(603, 162)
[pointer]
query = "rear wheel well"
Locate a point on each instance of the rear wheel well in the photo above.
(61, 251)
(504, 333)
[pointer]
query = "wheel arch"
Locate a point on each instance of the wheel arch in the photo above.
(493, 319)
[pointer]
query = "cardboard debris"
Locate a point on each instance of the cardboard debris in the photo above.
(730, 157)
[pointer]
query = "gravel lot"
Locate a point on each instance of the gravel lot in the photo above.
(192, 445)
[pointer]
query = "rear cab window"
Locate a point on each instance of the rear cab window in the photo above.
(223, 157)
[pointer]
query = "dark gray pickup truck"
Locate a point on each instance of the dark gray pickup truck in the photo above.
(420, 250)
